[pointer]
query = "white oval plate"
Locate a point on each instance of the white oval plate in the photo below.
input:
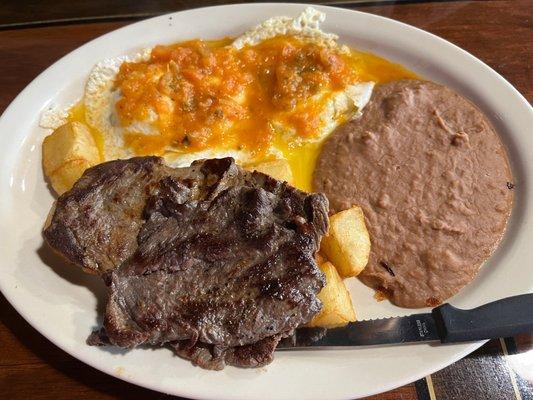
(61, 302)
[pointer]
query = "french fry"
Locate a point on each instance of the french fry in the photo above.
(320, 258)
(277, 169)
(337, 309)
(67, 153)
(347, 244)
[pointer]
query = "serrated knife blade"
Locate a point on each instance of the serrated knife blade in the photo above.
(413, 328)
(502, 318)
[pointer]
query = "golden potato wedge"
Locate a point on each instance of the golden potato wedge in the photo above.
(337, 309)
(347, 244)
(67, 153)
(277, 169)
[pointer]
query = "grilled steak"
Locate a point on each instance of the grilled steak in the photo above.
(95, 224)
(213, 357)
(218, 262)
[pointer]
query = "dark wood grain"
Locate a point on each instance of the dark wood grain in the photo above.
(32, 12)
(407, 392)
(482, 375)
(499, 32)
(15, 13)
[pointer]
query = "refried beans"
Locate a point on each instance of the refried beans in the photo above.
(433, 179)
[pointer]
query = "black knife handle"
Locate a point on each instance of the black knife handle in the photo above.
(501, 318)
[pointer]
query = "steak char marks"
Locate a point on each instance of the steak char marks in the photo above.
(221, 264)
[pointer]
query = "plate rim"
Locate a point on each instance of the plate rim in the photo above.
(193, 394)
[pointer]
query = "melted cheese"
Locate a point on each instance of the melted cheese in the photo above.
(198, 95)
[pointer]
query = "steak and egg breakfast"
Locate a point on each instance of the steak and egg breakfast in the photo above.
(224, 189)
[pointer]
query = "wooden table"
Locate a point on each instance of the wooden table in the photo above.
(34, 34)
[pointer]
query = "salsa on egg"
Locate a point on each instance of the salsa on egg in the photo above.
(207, 94)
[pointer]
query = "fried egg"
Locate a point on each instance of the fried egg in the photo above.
(101, 97)
(275, 92)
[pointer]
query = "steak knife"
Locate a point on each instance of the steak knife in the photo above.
(446, 324)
